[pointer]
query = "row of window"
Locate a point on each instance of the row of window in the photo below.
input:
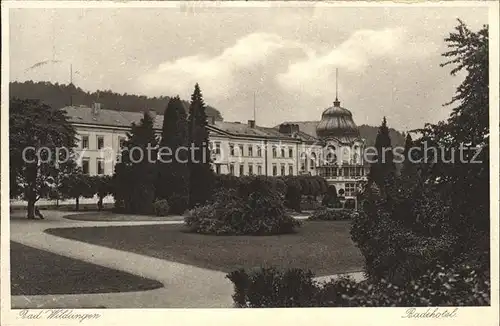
(85, 144)
(251, 171)
(257, 171)
(329, 172)
(99, 166)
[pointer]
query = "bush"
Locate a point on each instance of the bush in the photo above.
(269, 288)
(161, 207)
(332, 214)
(255, 208)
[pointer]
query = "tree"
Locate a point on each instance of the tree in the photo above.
(466, 183)
(46, 138)
(135, 173)
(173, 172)
(201, 174)
(77, 185)
(384, 167)
(440, 217)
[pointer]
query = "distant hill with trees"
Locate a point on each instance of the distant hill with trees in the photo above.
(370, 134)
(61, 95)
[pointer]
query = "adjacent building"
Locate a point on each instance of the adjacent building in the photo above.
(331, 148)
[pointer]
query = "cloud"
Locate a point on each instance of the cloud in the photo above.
(216, 74)
(314, 74)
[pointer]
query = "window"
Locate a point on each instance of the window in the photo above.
(250, 169)
(259, 169)
(85, 142)
(275, 170)
(217, 168)
(282, 169)
(350, 189)
(242, 169)
(346, 172)
(290, 152)
(302, 166)
(100, 142)
(290, 169)
(282, 152)
(100, 166)
(85, 166)
(231, 169)
(275, 152)
(250, 150)
(241, 152)
(231, 149)
(259, 151)
(217, 148)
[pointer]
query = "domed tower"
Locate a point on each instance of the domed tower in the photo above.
(342, 161)
(336, 122)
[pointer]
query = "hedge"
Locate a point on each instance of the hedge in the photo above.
(271, 288)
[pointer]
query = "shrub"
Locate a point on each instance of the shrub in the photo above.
(255, 208)
(268, 288)
(161, 207)
(332, 214)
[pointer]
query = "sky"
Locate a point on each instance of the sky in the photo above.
(284, 57)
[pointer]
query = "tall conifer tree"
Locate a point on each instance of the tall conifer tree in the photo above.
(201, 174)
(135, 175)
(173, 178)
(384, 167)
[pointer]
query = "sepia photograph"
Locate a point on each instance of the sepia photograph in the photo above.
(249, 155)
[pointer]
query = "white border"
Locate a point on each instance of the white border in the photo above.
(252, 317)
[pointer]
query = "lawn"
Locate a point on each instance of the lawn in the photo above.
(110, 216)
(35, 272)
(325, 248)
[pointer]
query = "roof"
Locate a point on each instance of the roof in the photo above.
(306, 127)
(84, 115)
(124, 119)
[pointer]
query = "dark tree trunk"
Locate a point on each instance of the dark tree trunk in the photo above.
(31, 209)
(99, 203)
(77, 203)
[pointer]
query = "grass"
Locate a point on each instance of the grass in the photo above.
(35, 272)
(110, 216)
(325, 248)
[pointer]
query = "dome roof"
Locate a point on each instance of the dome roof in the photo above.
(337, 122)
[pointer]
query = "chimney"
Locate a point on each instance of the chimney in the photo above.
(96, 108)
(251, 123)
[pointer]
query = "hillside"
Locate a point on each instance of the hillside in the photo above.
(59, 95)
(370, 134)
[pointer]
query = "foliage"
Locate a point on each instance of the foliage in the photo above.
(200, 170)
(173, 173)
(134, 178)
(332, 214)
(254, 208)
(161, 207)
(178, 203)
(330, 199)
(77, 185)
(103, 187)
(437, 211)
(61, 95)
(440, 286)
(36, 125)
(384, 166)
